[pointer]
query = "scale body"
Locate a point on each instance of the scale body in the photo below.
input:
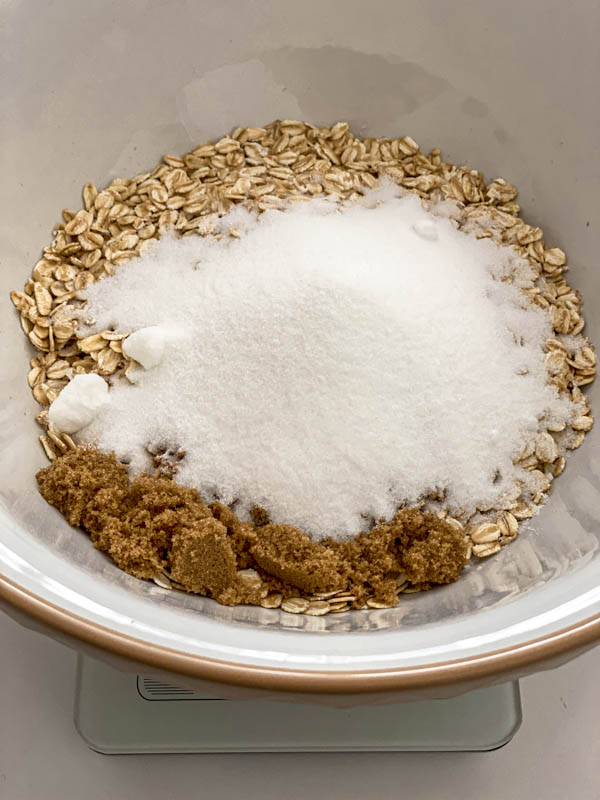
(120, 713)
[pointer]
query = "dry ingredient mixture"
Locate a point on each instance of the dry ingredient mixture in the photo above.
(156, 528)
(317, 365)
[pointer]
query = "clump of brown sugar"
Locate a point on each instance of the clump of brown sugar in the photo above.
(154, 527)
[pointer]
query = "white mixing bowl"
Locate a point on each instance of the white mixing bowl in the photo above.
(96, 90)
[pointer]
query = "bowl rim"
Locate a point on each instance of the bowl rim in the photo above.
(495, 664)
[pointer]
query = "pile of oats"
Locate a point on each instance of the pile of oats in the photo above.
(265, 168)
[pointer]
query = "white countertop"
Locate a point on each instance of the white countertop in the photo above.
(556, 753)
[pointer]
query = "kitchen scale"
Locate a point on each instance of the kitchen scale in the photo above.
(118, 713)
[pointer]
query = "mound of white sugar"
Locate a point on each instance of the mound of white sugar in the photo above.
(331, 364)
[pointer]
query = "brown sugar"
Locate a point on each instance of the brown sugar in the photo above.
(153, 526)
(290, 555)
(202, 558)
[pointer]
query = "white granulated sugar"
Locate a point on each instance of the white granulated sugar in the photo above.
(332, 363)
(426, 229)
(78, 403)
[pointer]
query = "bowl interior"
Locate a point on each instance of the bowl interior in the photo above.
(161, 78)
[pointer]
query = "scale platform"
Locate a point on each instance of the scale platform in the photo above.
(118, 713)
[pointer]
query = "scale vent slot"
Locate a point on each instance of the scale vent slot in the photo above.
(152, 689)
